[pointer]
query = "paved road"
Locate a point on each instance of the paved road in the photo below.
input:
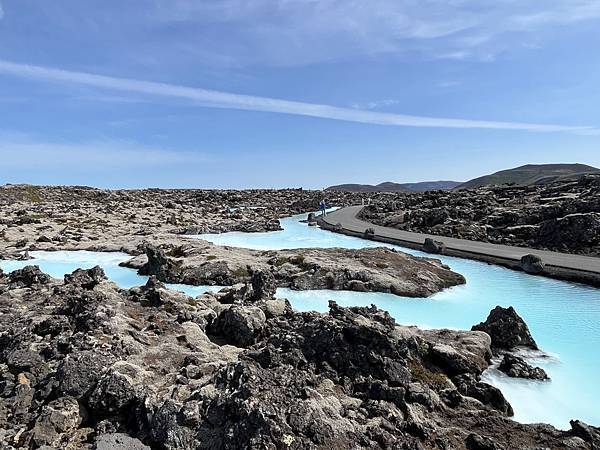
(347, 218)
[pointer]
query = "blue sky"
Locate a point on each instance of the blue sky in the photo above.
(285, 93)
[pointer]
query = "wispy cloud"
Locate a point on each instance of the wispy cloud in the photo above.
(375, 104)
(289, 32)
(219, 99)
(1, 12)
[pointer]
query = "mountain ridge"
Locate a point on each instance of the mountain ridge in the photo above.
(530, 174)
(389, 186)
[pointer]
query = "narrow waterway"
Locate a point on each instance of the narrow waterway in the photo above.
(563, 317)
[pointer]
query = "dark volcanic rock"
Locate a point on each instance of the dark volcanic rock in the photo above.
(240, 325)
(507, 329)
(86, 278)
(432, 246)
(516, 367)
(159, 265)
(487, 394)
(561, 216)
(532, 264)
(263, 285)
(119, 371)
(28, 276)
(118, 441)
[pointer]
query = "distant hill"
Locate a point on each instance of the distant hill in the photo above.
(389, 186)
(531, 174)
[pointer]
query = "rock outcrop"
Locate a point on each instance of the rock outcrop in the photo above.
(86, 365)
(561, 216)
(516, 367)
(507, 330)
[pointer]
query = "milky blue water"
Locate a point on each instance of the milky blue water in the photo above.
(563, 317)
(57, 264)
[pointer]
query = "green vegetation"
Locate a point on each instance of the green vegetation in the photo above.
(211, 257)
(241, 272)
(425, 376)
(176, 252)
(281, 261)
(32, 194)
(531, 174)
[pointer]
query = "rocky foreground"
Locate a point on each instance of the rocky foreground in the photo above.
(563, 216)
(86, 365)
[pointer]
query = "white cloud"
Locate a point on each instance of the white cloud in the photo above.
(289, 32)
(219, 99)
(375, 104)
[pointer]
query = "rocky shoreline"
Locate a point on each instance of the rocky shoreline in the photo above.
(86, 365)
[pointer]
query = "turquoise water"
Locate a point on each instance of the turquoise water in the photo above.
(57, 264)
(563, 317)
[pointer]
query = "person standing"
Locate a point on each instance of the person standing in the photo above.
(323, 208)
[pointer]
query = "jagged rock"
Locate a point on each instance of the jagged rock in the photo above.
(532, 264)
(487, 394)
(587, 433)
(507, 329)
(516, 367)
(263, 285)
(118, 441)
(238, 293)
(28, 276)
(87, 279)
(433, 246)
(476, 442)
(241, 325)
(573, 231)
(113, 392)
(159, 265)
(167, 428)
(78, 373)
(55, 422)
(351, 378)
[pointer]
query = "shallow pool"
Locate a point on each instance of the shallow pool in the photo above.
(563, 317)
(57, 264)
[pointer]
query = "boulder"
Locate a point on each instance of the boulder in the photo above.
(58, 418)
(240, 325)
(113, 393)
(79, 372)
(516, 367)
(507, 330)
(27, 277)
(532, 264)
(487, 394)
(86, 278)
(369, 233)
(433, 246)
(118, 441)
(263, 285)
(159, 265)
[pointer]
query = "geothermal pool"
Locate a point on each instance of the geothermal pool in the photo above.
(564, 318)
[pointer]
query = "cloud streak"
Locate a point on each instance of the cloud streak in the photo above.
(227, 100)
